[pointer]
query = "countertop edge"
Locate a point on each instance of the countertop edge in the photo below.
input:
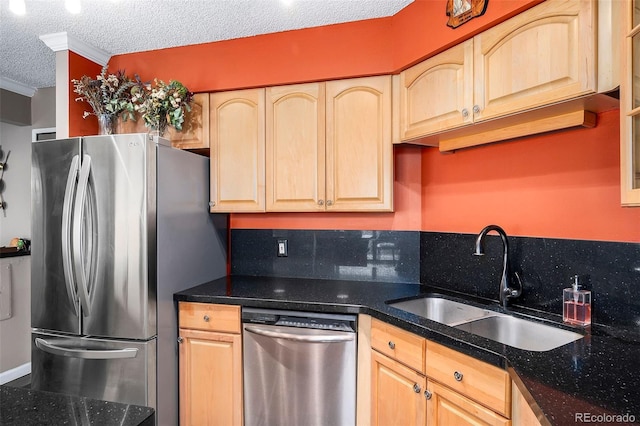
(452, 338)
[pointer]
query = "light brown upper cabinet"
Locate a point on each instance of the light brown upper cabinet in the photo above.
(437, 94)
(548, 54)
(544, 55)
(237, 139)
(329, 146)
(630, 105)
(195, 130)
(295, 147)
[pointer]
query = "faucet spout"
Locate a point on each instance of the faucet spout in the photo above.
(506, 291)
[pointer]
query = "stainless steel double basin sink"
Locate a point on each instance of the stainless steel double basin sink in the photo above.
(512, 331)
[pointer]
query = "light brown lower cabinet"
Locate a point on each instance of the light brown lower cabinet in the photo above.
(210, 365)
(397, 393)
(447, 407)
(418, 382)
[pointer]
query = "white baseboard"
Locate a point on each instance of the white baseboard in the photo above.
(15, 373)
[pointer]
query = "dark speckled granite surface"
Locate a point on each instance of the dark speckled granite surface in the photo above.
(20, 407)
(597, 375)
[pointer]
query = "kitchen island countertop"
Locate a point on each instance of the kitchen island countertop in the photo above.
(19, 407)
(598, 375)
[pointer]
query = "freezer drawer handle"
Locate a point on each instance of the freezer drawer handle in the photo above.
(325, 338)
(85, 353)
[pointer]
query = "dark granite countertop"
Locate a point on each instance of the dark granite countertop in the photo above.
(13, 252)
(19, 407)
(598, 375)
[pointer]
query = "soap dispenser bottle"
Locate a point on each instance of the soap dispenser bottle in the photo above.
(577, 304)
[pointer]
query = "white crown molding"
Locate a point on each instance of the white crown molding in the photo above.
(63, 41)
(17, 87)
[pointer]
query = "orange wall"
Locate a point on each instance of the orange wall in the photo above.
(79, 66)
(564, 185)
(561, 185)
(370, 47)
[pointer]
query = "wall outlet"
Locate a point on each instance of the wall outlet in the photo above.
(283, 248)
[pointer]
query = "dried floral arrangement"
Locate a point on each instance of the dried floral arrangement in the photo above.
(161, 104)
(107, 94)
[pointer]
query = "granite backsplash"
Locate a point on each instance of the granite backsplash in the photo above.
(611, 270)
(387, 256)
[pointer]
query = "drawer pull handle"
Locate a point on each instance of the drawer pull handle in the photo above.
(206, 318)
(458, 376)
(465, 113)
(427, 394)
(392, 345)
(416, 388)
(476, 109)
(180, 339)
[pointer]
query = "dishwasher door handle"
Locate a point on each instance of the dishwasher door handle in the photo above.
(307, 338)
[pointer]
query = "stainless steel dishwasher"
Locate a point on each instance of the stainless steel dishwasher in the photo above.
(299, 368)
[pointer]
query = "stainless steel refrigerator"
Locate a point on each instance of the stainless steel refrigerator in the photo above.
(119, 223)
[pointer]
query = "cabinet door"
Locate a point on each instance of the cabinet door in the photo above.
(237, 151)
(359, 150)
(295, 166)
(210, 378)
(195, 129)
(396, 392)
(630, 106)
(446, 407)
(437, 94)
(522, 413)
(544, 55)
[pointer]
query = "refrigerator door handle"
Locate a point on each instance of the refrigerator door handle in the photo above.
(85, 353)
(66, 234)
(78, 222)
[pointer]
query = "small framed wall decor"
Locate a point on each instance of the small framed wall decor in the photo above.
(461, 11)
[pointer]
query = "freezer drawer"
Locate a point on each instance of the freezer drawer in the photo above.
(110, 370)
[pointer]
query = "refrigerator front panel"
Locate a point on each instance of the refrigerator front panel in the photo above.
(110, 370)
(54, 300)
(118, 256)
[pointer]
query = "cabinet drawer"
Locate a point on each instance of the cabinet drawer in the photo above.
(398, 344)
(207, 316)
(484, 383)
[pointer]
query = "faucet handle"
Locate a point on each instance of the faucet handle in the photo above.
(512, 292)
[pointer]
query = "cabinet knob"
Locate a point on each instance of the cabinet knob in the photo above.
(417, 388)
(476, 109)
(180, 340)
(465, 112)
(458, 376)
(392, 345)
(427, 394)
(320, 202)
(329, 203)
(212, 203)
(206, 318)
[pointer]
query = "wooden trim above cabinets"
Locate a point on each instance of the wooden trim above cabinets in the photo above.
(513, 127)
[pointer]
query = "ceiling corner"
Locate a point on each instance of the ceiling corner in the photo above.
(63, 41)
(17, 87)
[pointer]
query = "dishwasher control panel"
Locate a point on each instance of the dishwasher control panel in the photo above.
(300, 319)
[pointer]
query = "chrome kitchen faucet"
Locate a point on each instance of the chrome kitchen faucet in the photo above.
(506, 292)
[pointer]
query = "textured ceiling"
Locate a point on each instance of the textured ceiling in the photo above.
(125, 26)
